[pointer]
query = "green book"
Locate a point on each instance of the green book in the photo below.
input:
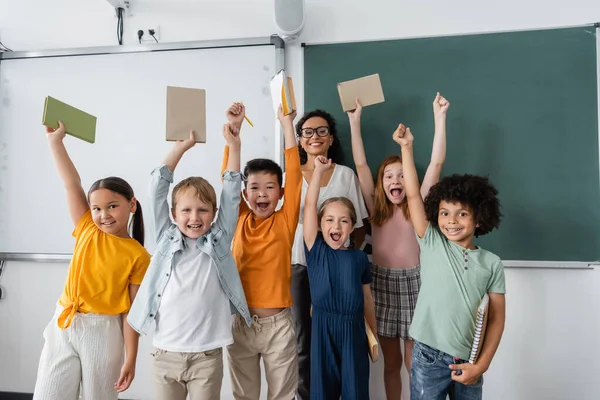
(77, 123)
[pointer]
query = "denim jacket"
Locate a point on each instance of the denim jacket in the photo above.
(170, 244)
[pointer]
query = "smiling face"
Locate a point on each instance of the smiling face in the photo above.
(393, 182)
(192, 215)
(337, 221)
(457, 223)
(110, 211)
(263, 192)
(315, 138)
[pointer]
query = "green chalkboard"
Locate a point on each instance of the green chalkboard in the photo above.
(524, 111)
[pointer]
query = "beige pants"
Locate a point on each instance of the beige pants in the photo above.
(177, 374)
(273, 339)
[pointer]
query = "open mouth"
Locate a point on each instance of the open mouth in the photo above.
(335, 237)
(453, 231)
(195, 227)
(316, 144)
(108, 223)
(396, 192)
(262, 205)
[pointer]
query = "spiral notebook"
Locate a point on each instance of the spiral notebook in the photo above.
(480, 326)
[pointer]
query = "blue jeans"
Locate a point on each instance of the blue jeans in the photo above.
(430, 377)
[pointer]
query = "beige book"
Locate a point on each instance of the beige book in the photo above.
(186, 110)
(367, 90)
(373, 343)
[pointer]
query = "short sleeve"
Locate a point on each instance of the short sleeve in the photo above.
(139, 269)
(497, 283)
(356, 197)
(366, 276)
(316, 250)
(432, 238)
(85, 222)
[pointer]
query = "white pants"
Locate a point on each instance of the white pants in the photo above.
(88, 355)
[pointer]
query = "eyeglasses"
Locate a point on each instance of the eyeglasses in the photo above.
(321, 131)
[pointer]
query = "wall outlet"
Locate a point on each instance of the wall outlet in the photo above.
(147, 38)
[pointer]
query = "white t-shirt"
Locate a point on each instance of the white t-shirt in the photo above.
(343, 182)
(194, 314)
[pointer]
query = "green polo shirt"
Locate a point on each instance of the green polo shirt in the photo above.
(454, 280)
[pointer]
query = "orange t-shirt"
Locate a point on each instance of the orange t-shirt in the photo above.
(262, 248)
(102, 268)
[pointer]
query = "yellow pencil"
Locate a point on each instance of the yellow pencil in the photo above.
(250, 122)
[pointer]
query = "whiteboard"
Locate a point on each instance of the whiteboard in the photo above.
(127, 93)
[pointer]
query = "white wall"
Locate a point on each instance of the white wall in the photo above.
(551, 343)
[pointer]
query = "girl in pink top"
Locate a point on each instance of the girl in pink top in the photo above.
(395, 251)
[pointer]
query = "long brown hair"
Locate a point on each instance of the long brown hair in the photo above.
(383, 207)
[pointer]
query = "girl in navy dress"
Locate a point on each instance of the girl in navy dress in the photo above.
(341, 296)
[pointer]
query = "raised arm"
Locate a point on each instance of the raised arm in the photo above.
(231, 132)
(287, 123)
(177, 151)
(76, 198)
(235, 117)
(292, 197)
(162, 178)
(404, 138)
(232, 138)
(438, 150)
(367, 186)
(311, 223)
(227, 216)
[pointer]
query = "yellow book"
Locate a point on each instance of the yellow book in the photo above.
(282, 92)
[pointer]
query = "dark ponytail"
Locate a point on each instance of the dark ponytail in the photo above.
(137, 224)
(120, 186)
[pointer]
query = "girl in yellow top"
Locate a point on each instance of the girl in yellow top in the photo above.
(83, 350)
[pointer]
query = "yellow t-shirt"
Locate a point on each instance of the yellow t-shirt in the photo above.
(102, 268)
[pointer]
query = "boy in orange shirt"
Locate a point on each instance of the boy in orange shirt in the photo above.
(262, 247)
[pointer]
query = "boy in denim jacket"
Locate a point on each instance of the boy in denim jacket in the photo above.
(192, 285)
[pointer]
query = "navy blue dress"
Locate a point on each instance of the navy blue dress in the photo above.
(339, 351)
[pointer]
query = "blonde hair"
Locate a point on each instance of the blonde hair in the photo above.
(201, 187)
(383, 207)
(343, 201)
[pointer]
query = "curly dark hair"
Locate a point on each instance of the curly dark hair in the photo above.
(335, 151)
(472, 191)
